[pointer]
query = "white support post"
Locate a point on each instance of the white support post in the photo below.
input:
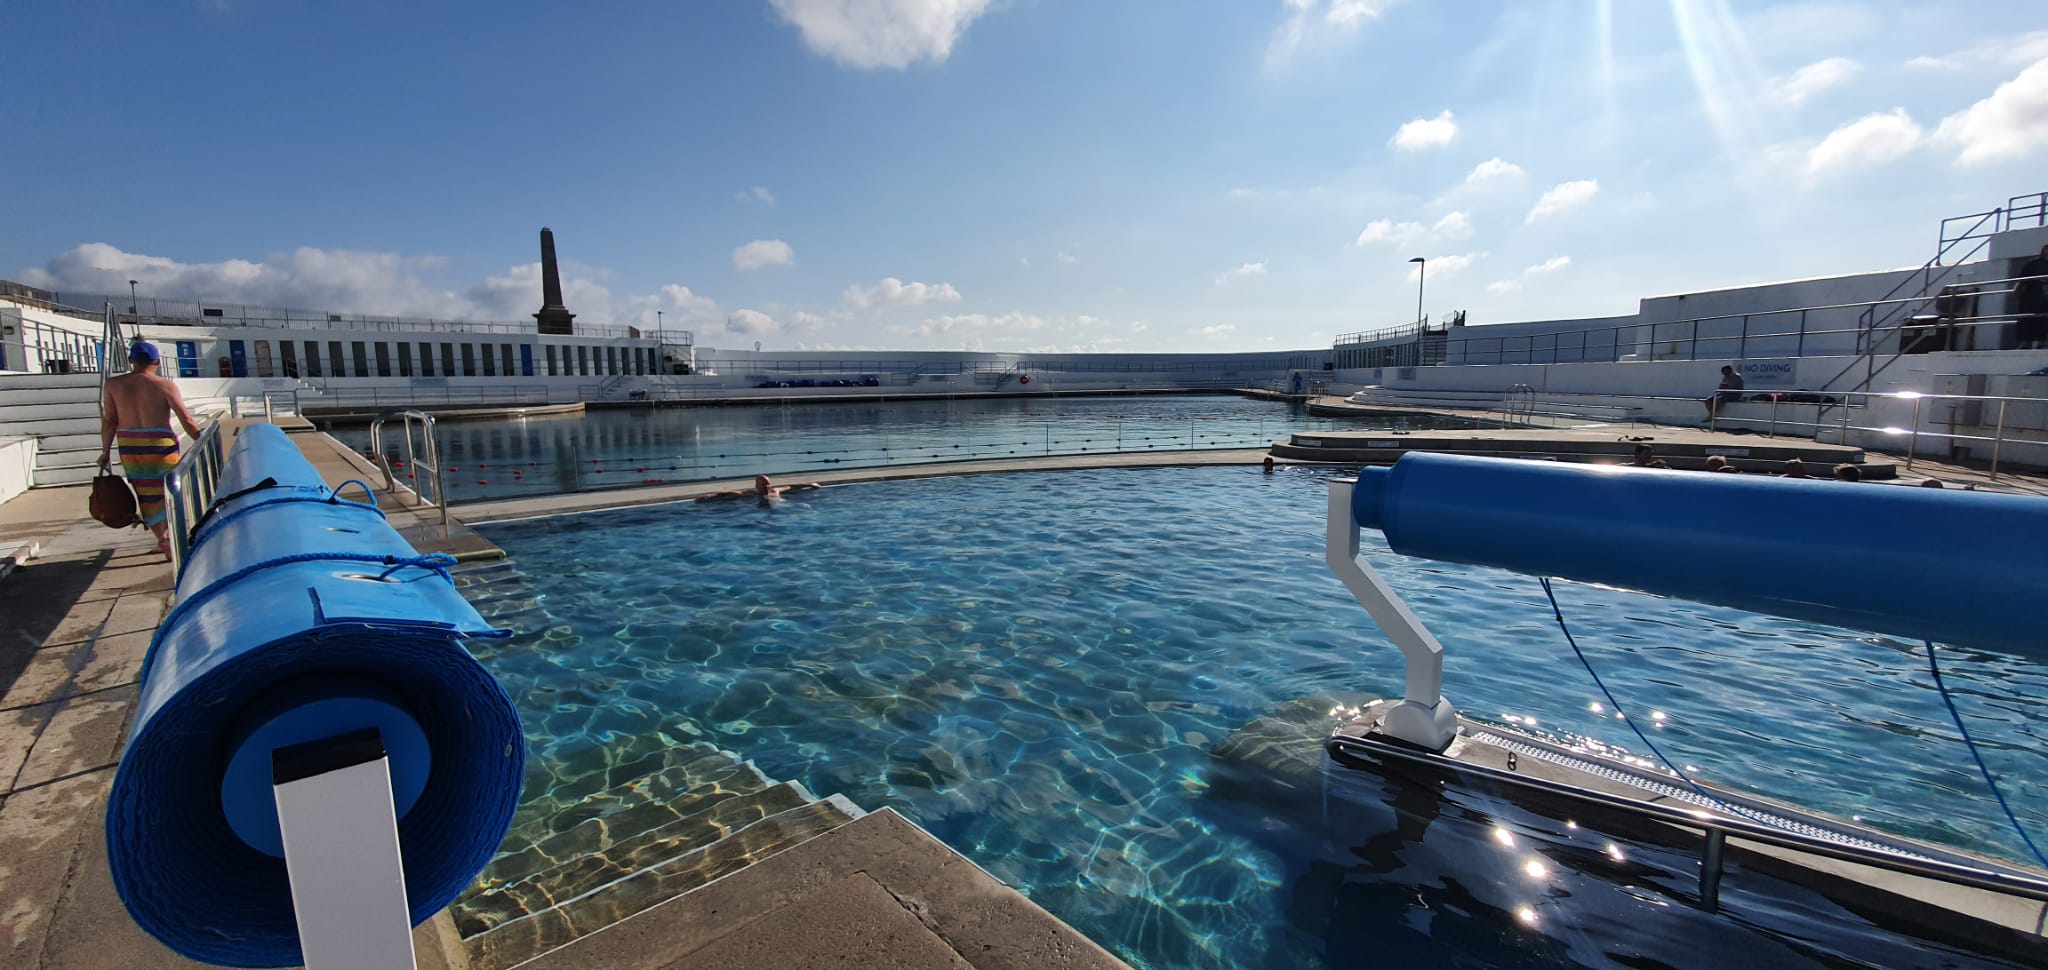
(1424, 717)
(334, 806)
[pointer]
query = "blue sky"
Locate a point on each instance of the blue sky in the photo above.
(1020, 175)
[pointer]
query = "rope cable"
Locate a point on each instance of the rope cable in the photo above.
(1934, 667)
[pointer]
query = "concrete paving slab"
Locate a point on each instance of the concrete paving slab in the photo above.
(852, 921)
(83, 734)
(18, 730)
(987, 923)
(115, 661)
(39, 836)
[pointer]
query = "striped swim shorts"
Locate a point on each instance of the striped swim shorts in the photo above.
(148, 455)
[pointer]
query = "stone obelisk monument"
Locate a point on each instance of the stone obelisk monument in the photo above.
(553, 316)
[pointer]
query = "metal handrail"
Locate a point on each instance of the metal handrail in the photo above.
(1535, 354)
(432, 462)
(1912, 432)
(189, 488)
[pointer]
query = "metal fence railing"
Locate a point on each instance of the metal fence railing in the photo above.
(190, 487)
(1739, 336)
(334, 397)
(156, 310)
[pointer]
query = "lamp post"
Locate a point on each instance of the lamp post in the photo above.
(131, 298)
(1421, 271)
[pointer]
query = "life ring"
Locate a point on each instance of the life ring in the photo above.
(1025, 379)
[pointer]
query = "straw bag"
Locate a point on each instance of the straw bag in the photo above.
(113, 502)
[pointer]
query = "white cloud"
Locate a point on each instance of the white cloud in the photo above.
(1455, 225)
(1218, 330)
(1318, 21)
(1493, 168)
(1551, 265)
(1548, 266)
(1243, 271)
(1813, 79)
(966, 325)
(892, 292)
(1503, 286)
(2009, 124)
(2017, 49)
(1445, 267)
(751, 323)
(1426, 132)
(1564, 196)
(1389, 231)
(762, 252)
(758, 193)
(1064, 256)
(881, 33)
(1024, 261)
(350, 282)
(1870, 140)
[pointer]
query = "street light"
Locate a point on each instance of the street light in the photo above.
(131, 297)
(1421, 270)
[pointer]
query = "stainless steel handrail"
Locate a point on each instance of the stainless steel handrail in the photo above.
(431, 463)
(188, 490)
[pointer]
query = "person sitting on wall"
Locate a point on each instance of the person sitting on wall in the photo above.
(764, 489)
(1794, 468)
(1729, 392)
(1848, 473)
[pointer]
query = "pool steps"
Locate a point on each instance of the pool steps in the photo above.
(630, 824)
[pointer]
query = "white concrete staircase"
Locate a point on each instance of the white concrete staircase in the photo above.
(62, 411)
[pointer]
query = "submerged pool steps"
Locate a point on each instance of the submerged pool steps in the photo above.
(575, 917)
(616, 828)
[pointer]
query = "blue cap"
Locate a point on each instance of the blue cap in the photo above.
(142, 350)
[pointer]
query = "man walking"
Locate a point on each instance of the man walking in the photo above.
(135, 411)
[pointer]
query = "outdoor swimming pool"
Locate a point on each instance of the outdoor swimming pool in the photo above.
(1036, 668)
(617, 448)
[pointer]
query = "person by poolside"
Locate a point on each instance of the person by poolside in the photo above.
(764, 490)
(1269, 464)
(1717, 463)
(1932, 483)
(135, 413)
(1846, 472)
(1645, 457)
(1794, 468)
(1729, 392)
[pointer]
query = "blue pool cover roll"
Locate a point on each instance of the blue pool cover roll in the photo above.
(298, 620)
(1965, 568)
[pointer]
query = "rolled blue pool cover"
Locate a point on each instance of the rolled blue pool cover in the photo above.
(298, 620)
(1963, 568)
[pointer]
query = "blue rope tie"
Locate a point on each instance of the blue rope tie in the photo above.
(327, 499)
(1934, 667)
(1631, 722)
(335, 495)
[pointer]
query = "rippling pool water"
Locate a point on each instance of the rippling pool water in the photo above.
(614, 448)
(1036, 668)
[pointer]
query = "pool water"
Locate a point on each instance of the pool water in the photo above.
(1037, 669)
(614, 448)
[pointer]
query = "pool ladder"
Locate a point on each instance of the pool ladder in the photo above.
(414, 460)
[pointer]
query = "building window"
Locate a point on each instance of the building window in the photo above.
(490, 362)
(469, 360)
(312, 358)
(383, 359)
(447, 360)
(426, 360)
(335, 363)
(404, 359)
(505, 355)
(551, 360)
(582, 361)
(290, 357)
(361, 357)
